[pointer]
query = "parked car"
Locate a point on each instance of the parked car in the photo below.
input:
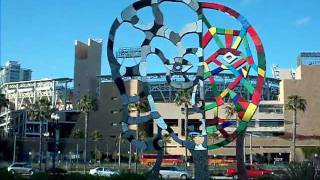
(20, 168)
(56, 171)
(252, 171)
(103, 171)
(174, 172)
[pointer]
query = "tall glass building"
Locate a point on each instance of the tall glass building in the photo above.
(12, 72)
(309, 58)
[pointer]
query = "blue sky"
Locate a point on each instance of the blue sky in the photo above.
(41, 34)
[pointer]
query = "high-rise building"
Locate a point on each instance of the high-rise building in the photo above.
(87, 67)
(308, 58)
(12, 72)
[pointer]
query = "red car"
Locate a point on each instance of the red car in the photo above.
(253, 171)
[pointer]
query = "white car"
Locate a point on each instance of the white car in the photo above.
(103, 171)
(174, 172)
(20, 168)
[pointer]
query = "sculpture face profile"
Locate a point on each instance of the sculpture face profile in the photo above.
(232, 53)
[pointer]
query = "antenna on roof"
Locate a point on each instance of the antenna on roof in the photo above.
(275, 71)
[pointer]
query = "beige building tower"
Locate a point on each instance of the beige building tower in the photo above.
(87, 68)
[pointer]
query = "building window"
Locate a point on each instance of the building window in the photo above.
(271, 108)
(172, 122)
(271, 123)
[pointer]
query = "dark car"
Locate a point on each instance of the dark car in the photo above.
(56, 171)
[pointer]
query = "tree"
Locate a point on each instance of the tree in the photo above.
(295, 171)
(295, 103)
(77, 134)
(230, 111)
(41, 110)
(141, 107)
(96, 136)
(166, 140)
(118, 141)
(212, 137)
(183, 97)
(4, 102)
(86, 105)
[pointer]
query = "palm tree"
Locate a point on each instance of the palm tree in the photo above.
(118, 141)
(183, 97)
(86, 104)
(96, 137)
(166, 139)
(295, 103)
(212, 137)
(231, 111)
(41, 110)
(141, 107)
(77, 134)
(4, 102)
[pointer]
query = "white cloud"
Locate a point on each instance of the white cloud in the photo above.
(303, 20)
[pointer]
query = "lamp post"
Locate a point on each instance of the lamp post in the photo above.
(55, 117)
(14, 148)
(119, 150)
(250, 151)
(119, 145)
(30, 158)
(46, 135)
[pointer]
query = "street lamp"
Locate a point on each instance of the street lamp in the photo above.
(250, 145)
(119, 150)
(30, 157)
(55, 117)
(46, 135)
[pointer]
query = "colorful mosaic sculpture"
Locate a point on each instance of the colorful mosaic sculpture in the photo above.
(239, 63)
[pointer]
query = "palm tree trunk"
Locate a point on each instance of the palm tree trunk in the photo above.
(154, 173)
(130, 151)
(294, 132)
(186, 135)
(54, 146)
(242, 172)
(85, 140)
(95, 152)
(40, 145)
(200, 160)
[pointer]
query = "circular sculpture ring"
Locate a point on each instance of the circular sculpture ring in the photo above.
(239, 63)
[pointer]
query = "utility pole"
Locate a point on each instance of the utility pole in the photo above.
(251, 158)
(119, 160)
(186, 135)
(14, 148)
(130, 150)
(244, 149)
(77, 155)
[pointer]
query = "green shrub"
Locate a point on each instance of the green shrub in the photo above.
(299, 171)
(5, 175)
(267, 177)
(128, 176)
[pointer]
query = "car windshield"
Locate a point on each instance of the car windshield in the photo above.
(170, 168)
(19, 165)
